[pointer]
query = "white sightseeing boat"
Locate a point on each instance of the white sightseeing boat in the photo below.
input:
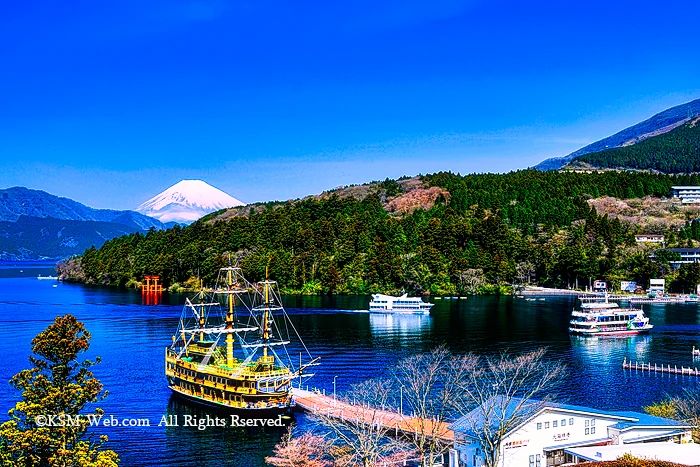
(604, 318)
(404, 304)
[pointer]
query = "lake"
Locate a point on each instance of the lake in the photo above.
(131, 336)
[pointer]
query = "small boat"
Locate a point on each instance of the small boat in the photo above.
(603, 318)
(404, 304)
(542, 299)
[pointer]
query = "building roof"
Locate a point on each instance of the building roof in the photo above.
(498, 408)
(684, 250)
(494, 409)
(681, 187)
(644, 420)
(688, 454)
(584, 442)
(655, 436)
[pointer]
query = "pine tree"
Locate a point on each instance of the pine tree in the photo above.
(58, 385)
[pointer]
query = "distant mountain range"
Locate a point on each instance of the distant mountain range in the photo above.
(187, 201)
(38, 225)
(20, 201)
(659, 124)
(42, 238)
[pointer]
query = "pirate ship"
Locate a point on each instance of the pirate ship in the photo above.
(231, 349)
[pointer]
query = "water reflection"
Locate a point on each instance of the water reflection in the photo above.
(610, 351)
(399, 325)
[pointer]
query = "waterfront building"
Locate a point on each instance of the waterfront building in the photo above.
(657, 286)
(688, 255)
(687, 194)
(650, 238)
(547, 432)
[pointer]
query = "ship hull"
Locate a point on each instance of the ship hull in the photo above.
(402, 312)
(252, 412)
(631, 332)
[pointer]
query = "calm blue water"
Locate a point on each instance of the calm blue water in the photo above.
(131, 336)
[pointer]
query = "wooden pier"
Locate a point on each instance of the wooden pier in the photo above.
(317, 403)
(668, 369)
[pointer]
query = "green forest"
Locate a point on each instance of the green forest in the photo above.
(677, 151)
(482, 233)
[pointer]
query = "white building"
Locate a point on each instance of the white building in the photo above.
(688, 255)
(657, 286)
(687, 194)
(650, 238)
(547, 430)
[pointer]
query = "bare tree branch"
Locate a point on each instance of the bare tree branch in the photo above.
(688, 409)
(428, 383)
(364, 429)
(502, 393)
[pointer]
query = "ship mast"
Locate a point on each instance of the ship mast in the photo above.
(229, 319)
(266, 318)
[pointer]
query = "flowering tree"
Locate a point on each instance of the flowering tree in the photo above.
(59, 385)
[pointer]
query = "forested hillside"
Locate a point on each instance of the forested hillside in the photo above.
(677, 151)
(473, 233)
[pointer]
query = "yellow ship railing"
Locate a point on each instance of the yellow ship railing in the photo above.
(213, 370)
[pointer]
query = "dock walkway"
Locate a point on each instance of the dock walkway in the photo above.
(545, 291)
(317, 403)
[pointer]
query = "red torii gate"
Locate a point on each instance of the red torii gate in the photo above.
(155, 287)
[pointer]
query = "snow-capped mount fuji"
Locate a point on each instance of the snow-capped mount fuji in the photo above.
(187, 201)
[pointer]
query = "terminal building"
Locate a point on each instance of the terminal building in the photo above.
(547, 434)
(687, 194)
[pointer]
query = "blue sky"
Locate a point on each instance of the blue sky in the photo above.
(111, 102)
